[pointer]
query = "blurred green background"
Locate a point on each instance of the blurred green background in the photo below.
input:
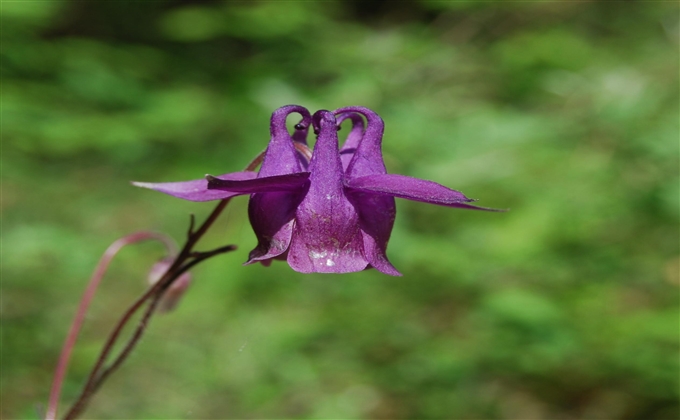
(564, 308)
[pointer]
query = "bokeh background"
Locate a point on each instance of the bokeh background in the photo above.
(565, 112)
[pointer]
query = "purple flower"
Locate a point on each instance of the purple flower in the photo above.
(331, 214)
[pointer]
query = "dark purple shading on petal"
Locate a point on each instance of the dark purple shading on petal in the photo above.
(376, 212)
(326, 237)
(353, 138)
(272, 217)
(277, 183)
(197, 190)
(271, 213)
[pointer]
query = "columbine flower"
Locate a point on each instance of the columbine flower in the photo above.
(332, 215)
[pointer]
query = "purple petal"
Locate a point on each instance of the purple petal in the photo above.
(367, 158)
(271, 213)
(281, 157)
(326, 237)
(277, 183)
(353, 138)
(376, 212)
(271, 216)
(376, 219)
(409, 188)
(197, 190)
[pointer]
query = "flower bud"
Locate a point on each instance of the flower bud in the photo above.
(174, 293)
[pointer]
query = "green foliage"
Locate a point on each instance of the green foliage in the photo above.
(566, 113)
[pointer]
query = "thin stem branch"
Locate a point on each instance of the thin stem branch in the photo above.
(130, 345)
(95, 280)
(156, 290)
(132, 342)
(184, 260)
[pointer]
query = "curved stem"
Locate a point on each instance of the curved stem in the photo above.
(98, 374)
(88, 390)
(95, 378)
(95, 280)
(132, 342)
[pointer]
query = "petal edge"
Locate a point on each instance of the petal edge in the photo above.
(407, 187)
(197, 190)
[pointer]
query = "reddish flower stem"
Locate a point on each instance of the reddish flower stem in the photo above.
(96, 378)
(147, 315)
(99, 374)
(95, 280)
